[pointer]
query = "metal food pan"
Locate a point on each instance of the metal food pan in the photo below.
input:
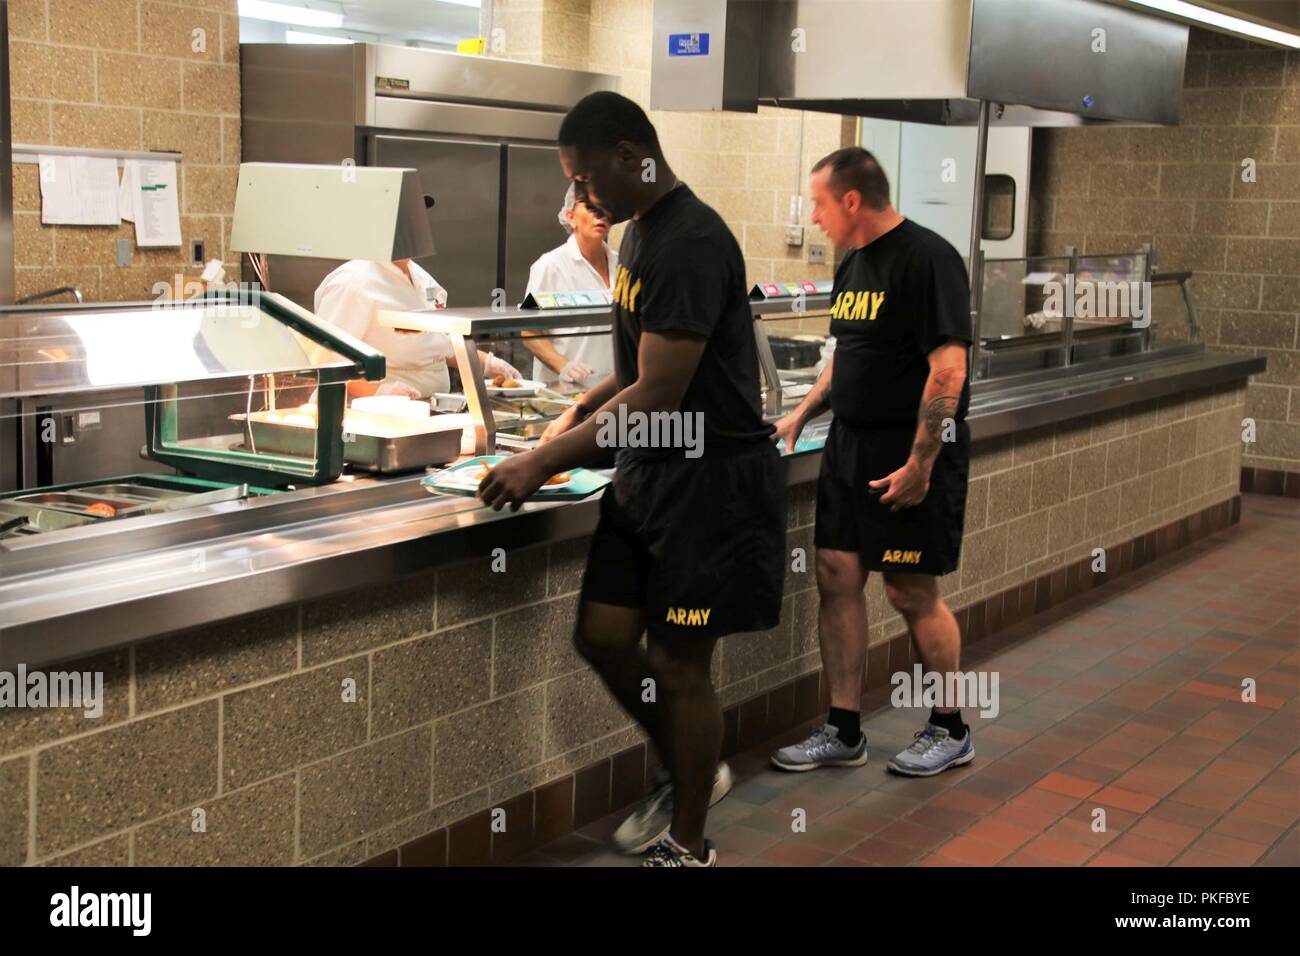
(536, 405)
(370, 452)
(72, 501)
(505, 419)
(795, 353)
(526, 430)
(137, 493)
(43, 519)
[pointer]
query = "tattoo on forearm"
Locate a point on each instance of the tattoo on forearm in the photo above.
(936, 410)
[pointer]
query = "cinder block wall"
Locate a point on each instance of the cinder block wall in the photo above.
(125, 74)
(746, 166)
(467, 691)
(1108, 190)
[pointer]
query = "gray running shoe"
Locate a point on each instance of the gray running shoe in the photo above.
(822, 749)
(668, 853)
(933, 751)
(648, 822)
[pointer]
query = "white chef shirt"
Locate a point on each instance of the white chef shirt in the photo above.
(351, 298)
(564, 269)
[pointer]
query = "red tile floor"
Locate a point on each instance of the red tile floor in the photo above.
(1127, 699)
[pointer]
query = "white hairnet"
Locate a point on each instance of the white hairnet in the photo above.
(570, 200)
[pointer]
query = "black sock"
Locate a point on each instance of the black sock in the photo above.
(846, 725)
(952, 723)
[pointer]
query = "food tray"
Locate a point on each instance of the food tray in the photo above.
(582, 482)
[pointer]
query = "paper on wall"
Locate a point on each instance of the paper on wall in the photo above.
(155, 205)
(126, 192)
(78, 191)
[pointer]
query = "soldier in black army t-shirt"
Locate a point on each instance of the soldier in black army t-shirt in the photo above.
(892, 491)
(691, 540)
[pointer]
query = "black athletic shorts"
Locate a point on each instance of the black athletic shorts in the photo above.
(699, 543)
(924, 539)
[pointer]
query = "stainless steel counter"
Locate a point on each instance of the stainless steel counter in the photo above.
(1008, 405)
(67, 594)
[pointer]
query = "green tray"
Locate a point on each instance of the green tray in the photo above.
(583, 482)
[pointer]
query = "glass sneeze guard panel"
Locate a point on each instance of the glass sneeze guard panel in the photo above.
(77, 351)
(235, 388)
(1044, 312)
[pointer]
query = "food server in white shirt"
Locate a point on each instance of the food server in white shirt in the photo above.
(586, 263)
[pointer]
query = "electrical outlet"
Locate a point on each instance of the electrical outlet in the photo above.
(197, 258)
(794, 235)
(816, 252)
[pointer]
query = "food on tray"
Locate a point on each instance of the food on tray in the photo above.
(478, 474)
(101, 508)
(502, 381)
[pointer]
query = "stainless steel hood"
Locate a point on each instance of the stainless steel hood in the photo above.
(1043, 62)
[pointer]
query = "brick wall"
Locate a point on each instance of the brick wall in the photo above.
(123, 74)
(1108, 190)
(745, 166)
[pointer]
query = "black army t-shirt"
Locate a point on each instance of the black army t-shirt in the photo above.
(681, 270)
(893, 302)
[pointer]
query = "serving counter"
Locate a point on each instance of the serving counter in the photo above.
(75, 592)
(229, 632)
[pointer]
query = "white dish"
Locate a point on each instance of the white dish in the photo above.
(527, 388)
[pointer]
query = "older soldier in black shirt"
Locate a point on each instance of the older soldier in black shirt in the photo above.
(691, 540)
(892, 491)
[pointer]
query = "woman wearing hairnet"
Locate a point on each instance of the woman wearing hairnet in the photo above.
(585, 263)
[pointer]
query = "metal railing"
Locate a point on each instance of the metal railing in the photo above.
(52, 293)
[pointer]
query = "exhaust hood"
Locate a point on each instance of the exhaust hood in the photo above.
(1042, 62)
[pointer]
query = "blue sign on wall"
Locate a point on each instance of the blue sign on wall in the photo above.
(688, 44)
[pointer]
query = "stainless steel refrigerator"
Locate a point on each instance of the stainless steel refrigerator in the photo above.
(480, 131)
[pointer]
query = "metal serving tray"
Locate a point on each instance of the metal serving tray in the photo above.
(71, 501)
(42, 519)
(382, 453)
(56, 510)
(135, 493)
